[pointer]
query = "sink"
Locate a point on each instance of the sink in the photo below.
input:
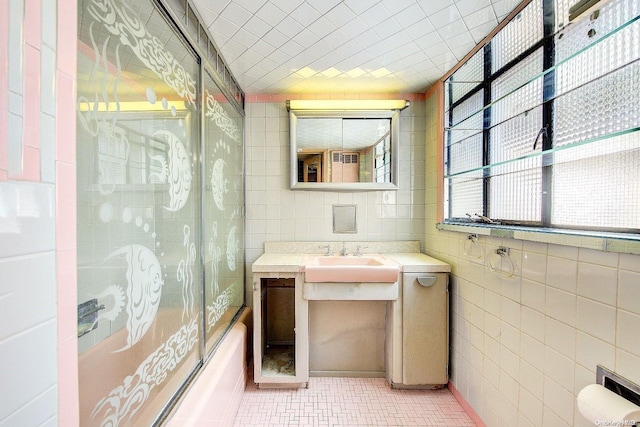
(370, 268)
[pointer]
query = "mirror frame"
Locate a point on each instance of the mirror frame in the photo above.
(394, 115)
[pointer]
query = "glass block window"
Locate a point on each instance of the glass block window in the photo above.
(549, 136)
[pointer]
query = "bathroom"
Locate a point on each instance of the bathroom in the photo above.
(522, 347)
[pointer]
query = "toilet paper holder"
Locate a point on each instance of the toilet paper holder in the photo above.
(618, 384)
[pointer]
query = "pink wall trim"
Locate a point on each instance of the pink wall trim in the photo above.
(265, 97)
(468, 409)
(33, 23)
(65, 91)
(4, 88)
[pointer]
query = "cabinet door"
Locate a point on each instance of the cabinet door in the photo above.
(425, 329)
(280, 331)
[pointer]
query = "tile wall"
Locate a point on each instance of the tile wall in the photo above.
(38, 351)
(523, 347)
(276, 213)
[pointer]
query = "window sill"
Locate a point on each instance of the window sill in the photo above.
(610, 242)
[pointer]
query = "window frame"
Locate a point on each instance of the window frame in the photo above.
(599, 237)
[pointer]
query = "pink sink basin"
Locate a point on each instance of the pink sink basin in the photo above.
(367, 268)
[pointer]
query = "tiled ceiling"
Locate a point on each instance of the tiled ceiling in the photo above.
(346, 46)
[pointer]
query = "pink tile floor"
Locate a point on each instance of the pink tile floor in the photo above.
(349, 402)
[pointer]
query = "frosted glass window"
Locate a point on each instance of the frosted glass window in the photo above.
(551, 136)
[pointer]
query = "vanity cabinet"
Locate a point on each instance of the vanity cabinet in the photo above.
(409, 322)
(425, 329)
(281, 324)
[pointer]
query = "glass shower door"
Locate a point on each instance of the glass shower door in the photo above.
(223, 204)
(139, 212)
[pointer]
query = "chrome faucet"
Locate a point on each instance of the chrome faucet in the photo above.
(328, 252)
(358, 252)
(343, 251)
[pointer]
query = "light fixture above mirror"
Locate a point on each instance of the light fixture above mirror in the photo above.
(347, 104)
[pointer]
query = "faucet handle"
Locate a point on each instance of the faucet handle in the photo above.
(358, 247)
(328, 247)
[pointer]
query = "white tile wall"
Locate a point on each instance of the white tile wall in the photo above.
(577, 308)
(276, 213)
(28, 285)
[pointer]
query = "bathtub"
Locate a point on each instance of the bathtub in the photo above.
(114, 385)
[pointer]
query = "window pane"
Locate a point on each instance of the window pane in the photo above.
(525, 30)
(516, 119)
(597, 104)
(464, 153)
(464, 195)
(598, 90)
(466, 78)
(596, 187)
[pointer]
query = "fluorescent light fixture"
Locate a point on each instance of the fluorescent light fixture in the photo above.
(130, 106)
(344, 104)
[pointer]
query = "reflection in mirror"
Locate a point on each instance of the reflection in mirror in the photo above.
(344, 150)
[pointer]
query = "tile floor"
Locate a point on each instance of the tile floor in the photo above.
(349, 402)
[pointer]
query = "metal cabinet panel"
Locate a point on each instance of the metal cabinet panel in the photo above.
(425, 329)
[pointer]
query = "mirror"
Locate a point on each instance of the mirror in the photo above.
(344, 150)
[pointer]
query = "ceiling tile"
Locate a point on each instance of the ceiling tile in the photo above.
(323, 6)
(427, 41)
(397, 5)
(306, 38)
(216, 7)
(359, 6)
(280, 56)
(398, 39)
(271, 13)
(257, 26)
(419, 29)
(250, 5)
(275, 38)
(437, 49)
(322, 27)
(290, 27)
(305, 14)
(407, 49)
(224, 26)
(292, 47)
(445, 17)
(236, 14)
(244, 37)
(411, 15)
(286, 5)
(481, 17)
(387, 27)
(354, 27)
(467, 7)
(336, 39)
(348, 49)
(430, 7)
(340, 15)
(374, 15)
(452, 29)
(372, 46)
(367, 38)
